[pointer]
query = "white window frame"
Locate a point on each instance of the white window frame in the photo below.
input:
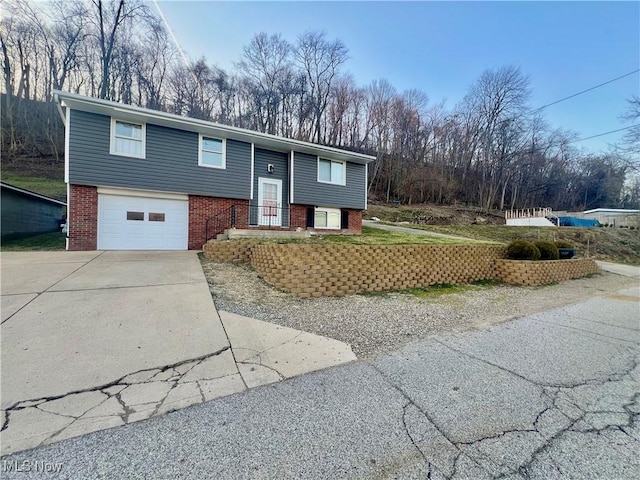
(328, 210)
(343, 180)
(143, 140)
(201, 137)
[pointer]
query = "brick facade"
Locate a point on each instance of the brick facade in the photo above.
(299, 219)
(298, 214)
(83, 217)
(203, 208)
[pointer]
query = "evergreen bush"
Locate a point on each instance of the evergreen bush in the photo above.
(522, 250)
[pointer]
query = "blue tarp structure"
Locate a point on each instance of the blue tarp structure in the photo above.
(578, 222)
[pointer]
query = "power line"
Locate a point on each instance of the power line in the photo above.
(605, 133)
(585, 91)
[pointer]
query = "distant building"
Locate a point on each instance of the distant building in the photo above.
(26, 213)
(530, 217)
(614, 217)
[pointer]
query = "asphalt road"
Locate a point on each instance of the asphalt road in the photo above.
(551, 395)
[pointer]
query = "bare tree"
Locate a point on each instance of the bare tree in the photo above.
(320, 59)
(498, 98)
(630, 144)
(110, 17)
(265, 62)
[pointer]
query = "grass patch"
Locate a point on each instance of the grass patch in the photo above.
(376, 236)
(46, 241)
(45, 186)
(438, 290)
(486, 282)
(372, 236)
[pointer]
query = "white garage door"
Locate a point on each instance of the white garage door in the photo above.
(142, 223)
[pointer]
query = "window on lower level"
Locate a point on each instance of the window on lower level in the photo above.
(328, 218)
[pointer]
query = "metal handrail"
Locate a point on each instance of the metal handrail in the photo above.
(267, 216)
(219, 223)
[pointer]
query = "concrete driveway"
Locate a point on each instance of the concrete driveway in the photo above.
(92, 340)
(554, 395)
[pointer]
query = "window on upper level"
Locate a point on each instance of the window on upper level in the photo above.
(127, 139)
(211, 152)
(332, 171)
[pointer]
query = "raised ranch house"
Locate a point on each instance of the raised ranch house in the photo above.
(144, 179)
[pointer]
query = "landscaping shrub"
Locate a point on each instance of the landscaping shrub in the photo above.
(522, 250)
(563, 244)
(548, 251)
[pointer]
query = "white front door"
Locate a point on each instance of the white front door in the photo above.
(142, 223)
(269, 202)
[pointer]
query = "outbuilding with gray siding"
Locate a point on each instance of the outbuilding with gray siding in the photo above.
(26, 213)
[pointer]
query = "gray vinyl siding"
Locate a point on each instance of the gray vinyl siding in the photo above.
(308, 191)
(24, 215)
(280, 162)
(170, 163)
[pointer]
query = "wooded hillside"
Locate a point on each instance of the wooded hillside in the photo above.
(492, 149)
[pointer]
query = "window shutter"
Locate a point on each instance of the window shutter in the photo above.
(311, 215)
(344, 221)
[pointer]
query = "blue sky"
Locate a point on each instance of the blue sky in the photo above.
(441, 48)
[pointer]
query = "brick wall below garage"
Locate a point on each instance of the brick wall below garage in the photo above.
(83, 217)
(203, 208)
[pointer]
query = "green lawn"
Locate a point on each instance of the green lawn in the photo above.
(46, 186)
(372, 236)
(377, 236)
(46, 241)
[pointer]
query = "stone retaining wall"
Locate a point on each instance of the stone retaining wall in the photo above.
(328, 270)
(522, 272)
(234, 251)
(315, 270)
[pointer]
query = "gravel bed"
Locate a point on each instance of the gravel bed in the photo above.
(377, 323)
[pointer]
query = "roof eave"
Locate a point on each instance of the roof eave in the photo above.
(32, 194)
(170, 120)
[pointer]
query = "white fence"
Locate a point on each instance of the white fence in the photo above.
(528, 213)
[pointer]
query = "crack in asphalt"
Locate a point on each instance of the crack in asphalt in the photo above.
(594, 381)
(410, 401)
(406, 429)
(582, 319)
(600, 336)
(554, 395)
